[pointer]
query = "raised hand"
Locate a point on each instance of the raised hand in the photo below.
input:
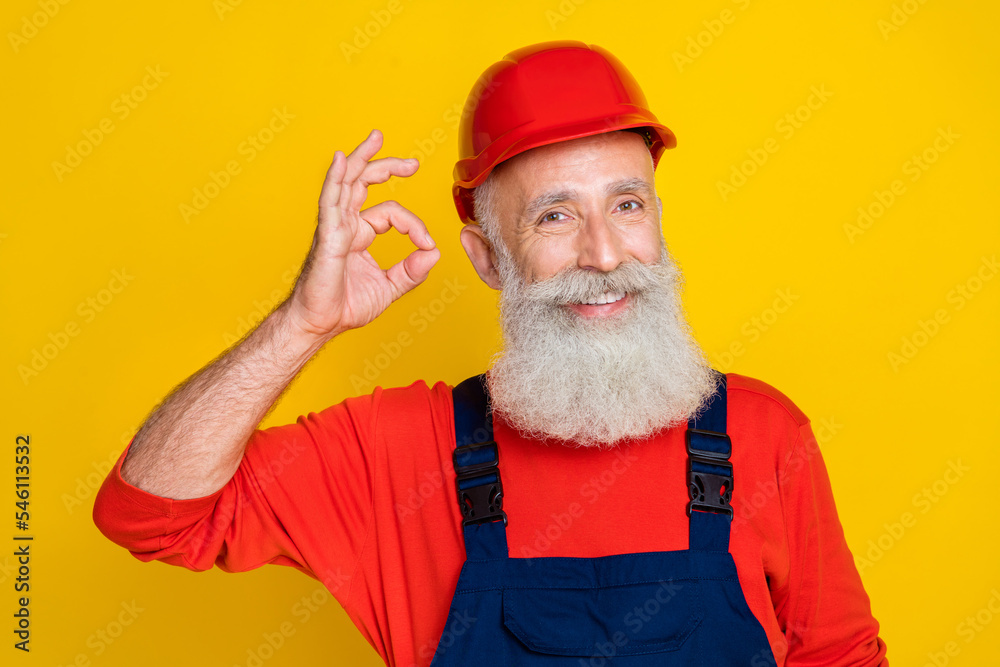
(341, 286)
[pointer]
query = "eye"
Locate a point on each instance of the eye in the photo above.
(630, 206)
(552, 216)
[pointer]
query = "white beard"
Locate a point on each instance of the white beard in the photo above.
(597, 383)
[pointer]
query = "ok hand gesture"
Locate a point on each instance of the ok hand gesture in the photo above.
(341, 286)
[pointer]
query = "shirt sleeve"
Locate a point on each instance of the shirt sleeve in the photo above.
(293, 478)
(822, 606)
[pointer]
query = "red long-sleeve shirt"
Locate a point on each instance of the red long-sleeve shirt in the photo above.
(361, 496)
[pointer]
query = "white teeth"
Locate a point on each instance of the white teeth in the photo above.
(607, 297)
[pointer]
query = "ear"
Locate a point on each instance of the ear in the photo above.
(481, 254)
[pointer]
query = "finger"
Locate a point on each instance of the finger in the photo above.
(333, 185)
(360, 156)
(412, 270)
(379, 171)
(389, 214)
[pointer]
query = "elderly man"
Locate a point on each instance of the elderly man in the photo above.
(576, 505)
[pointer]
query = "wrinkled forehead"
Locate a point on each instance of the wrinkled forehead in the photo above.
(589, 166)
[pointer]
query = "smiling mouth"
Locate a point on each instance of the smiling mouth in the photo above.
(609, 304)
(607, 297)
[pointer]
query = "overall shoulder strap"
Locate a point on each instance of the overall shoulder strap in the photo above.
(710, 475)
(477, 472)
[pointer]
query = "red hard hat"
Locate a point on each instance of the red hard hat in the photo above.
(542, 94)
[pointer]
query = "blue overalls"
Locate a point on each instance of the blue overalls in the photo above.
(653, 608)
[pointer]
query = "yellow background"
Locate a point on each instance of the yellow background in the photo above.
(894, 427)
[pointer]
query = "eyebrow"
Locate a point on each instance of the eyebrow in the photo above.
(630, 185)
(546, 199)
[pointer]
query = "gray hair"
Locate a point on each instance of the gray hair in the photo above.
(485, 208)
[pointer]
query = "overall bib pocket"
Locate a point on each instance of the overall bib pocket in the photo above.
(635, 619)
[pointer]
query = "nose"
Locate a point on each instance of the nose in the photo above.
(599, 244)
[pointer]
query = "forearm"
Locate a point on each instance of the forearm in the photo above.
(193, 442)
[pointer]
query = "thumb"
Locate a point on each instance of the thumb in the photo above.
(411, 271)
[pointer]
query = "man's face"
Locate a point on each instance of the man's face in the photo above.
(596, 349)
(588, 203)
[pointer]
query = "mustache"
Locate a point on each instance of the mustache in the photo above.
(575, 285)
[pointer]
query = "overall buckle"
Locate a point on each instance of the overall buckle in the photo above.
(483, 502)
(709, 491)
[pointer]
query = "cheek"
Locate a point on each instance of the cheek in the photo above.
(643, 243)
(544, 257)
